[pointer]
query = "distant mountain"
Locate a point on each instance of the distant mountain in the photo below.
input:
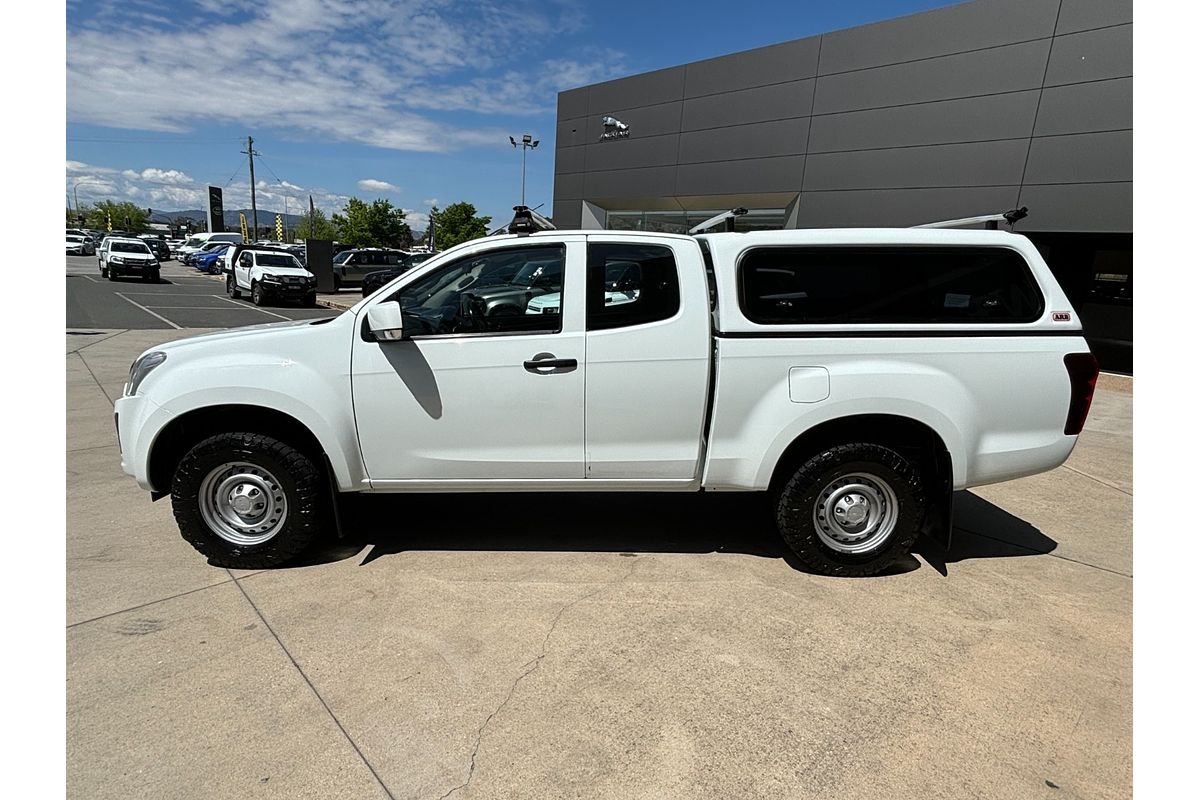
(232, 222)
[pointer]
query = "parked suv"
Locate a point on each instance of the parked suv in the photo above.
(271, 275)
(350, 266)
(119, 257)
(373, 281)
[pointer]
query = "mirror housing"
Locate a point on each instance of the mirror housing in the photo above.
(384, 321)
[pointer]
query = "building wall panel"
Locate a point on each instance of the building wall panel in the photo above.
(943, 31)
(1003, 69)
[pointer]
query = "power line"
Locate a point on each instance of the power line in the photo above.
(149, 141)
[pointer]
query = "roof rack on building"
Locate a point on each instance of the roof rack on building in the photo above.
(526, 221)
(989, 221)
(724, 216)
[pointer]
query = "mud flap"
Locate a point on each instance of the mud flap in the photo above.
(335, 499)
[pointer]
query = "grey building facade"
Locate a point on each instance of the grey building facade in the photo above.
(965, 110)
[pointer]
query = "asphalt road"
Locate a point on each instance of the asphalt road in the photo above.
(183, 298)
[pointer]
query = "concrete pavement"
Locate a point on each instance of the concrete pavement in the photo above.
(596, 646)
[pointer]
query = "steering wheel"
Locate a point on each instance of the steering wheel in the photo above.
(472, 313)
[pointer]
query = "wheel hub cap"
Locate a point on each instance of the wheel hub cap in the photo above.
(855, 513)
(243, 503)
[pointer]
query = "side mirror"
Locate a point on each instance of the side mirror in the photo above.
(384, 321)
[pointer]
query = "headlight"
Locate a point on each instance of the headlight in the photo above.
(141, 368)
(116, 260)
(271, 279)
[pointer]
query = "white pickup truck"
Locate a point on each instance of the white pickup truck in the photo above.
(855, 377)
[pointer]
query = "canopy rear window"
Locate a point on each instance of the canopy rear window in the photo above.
(847, 285)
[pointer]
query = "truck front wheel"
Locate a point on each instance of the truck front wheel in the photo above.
(247, 501)
(851, 510)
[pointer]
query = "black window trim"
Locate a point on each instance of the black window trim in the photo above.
(560, 245)
(857, 327)
(588, 329)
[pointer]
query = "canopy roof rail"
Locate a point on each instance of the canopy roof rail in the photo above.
(990, 221)
(724, 216)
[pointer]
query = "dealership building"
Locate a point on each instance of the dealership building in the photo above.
(966, 110)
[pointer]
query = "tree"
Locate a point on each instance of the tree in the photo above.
(316, 226)
(457, 223)
(125, 216)
(374, 225)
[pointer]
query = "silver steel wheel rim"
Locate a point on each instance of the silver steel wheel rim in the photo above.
(243, 503)
(855, 513)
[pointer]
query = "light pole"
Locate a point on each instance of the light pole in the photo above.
(527, 143)
(75, 191)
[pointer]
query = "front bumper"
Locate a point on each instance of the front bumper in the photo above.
(130, 268)
(134, 436)
(287, 291)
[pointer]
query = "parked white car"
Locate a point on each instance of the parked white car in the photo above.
(80, 245)
(853, 378)
(118, 256)
(271, 275)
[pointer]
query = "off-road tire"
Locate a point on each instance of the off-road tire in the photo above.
(112, 276)
(309, 301)
(256, 294)
(299, 477)
(156, 277)
(798, 495)
(232, 288)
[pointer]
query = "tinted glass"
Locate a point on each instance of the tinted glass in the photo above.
(340, 258)
(276, 260)
(790, 285)
(129, 247)
(630, 284)
(480, 294)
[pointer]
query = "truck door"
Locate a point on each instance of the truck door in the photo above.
(648, 350)
(478, 393)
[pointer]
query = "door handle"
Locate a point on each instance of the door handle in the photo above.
(547, 364)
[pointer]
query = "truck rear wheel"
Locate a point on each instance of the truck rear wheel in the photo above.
(247, 501)
(851, 510)
(232, 288)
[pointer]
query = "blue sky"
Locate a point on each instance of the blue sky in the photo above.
(411, 100)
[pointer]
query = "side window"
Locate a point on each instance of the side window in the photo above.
(630, 284)
(847, 285)
(246, 260)
(510, 290)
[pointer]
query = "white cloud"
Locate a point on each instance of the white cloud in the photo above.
(377, 72)
(430, 201)
(175, 190)
(373, 185)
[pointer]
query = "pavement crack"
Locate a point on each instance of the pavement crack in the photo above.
(1100, 481)
(527, 669)
(99, 385)
(312, 687)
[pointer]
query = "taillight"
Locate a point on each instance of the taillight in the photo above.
(1083, 370)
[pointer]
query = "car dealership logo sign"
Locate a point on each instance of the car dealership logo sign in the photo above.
(614, 129)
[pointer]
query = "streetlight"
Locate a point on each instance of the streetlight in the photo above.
(527, 143)
(75, 190)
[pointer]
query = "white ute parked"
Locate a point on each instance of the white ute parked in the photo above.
(853, 377)
(271, 275)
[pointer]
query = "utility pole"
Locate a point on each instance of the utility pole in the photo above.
(249, 151)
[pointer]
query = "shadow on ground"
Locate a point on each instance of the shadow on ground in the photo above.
(377, 526)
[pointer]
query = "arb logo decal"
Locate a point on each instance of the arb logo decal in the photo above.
(1061, 316)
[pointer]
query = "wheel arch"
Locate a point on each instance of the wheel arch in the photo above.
(188, 429)
(911, 438)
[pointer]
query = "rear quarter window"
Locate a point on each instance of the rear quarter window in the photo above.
(846, 285)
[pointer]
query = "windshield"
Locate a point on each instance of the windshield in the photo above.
(74, 238)
(193, 242)
(341, 257)
(130, 247)
(276, 260)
